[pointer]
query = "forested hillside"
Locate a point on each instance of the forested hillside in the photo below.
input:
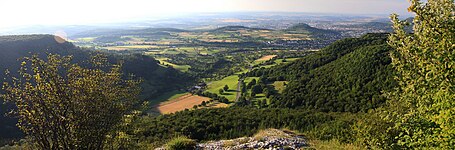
(157, 79)
(14, 47)
(347, 76)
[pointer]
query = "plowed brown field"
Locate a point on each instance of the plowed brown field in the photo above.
(179, 104)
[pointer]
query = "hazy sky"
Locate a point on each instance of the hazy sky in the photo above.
(28, 12)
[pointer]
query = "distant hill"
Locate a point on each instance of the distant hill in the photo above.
(315, 32)
(411, 22)
(410, 19)
(157, 79)
(347, 76)
(386, 26)
(16, 46)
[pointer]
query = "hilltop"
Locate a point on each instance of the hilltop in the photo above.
(315, 32)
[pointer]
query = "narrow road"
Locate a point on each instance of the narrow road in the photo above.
(239, 92)
(239, 84)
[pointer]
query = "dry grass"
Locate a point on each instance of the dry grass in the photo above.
(179, 104)
(216, 104)
(231, 143)
(271, 133)
(220, 105)
(265, 58)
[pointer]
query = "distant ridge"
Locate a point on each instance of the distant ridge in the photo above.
(114, 32)
(13, 47)
(305, 28)
(235, 28)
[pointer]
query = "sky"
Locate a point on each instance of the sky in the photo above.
(69, 12)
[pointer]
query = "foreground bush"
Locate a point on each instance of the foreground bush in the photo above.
(422, 109)
(181, 143)
(61, 105)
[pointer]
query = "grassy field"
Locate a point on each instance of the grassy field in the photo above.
(130, 47)
(86, 39)
(280, 61)
(263, 59)
(260, 97)
(249, 79)
(193, 50)
(287, 60)
(231, 81)
(171, 51)
(183, 68)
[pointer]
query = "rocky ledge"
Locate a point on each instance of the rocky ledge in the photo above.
(266, 139)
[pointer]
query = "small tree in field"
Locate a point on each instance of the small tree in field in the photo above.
(226, 88)
(61, 105)
(221, 91)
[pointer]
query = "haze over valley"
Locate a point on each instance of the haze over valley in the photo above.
(227, 74)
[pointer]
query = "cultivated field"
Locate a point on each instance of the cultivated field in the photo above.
(179, 104)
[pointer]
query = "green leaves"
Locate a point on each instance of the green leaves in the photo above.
(62, 105)
(424, 62)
